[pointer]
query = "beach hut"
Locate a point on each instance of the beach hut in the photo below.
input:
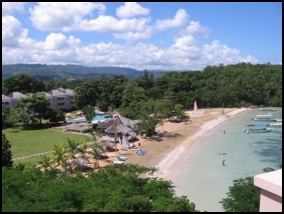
(118, 127)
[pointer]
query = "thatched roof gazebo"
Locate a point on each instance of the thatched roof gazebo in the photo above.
(118, 127)
(119, 124)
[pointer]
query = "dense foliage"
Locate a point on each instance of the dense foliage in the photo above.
(243, 196)
(6, 152)
(116, 188)
(239, 85)
(234, 85)
(22, 83)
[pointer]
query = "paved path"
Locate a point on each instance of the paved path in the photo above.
(30, 156)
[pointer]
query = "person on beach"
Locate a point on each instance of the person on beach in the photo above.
(223, 162)
(224, 132)
(139, 144)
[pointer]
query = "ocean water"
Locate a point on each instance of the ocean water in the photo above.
(201, 175)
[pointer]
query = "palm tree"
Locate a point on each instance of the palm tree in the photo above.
(96, 151)
(58, 152)
(71, 147)
(45, 162)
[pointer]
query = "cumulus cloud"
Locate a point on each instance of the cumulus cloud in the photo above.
(58, 47)
(13, 33)
(77, 17)
(180, 19)
(58, 15)
(8, 8)
(196, 29)
(183, 54)
(131, 9)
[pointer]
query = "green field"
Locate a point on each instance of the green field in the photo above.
(28, 142)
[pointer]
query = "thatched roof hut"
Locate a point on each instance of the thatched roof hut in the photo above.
(119, 124)
(128, 122)
(118, 127)
(105, 124)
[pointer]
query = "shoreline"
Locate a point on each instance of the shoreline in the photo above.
(165, 151)
(176, 157)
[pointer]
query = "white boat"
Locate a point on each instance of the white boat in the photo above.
(277, 124)
(267, 109)
(257, 130)
(265, 117)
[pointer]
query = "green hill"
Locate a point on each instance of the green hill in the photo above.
(48, 72)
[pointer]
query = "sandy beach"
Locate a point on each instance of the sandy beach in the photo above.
(164, 152)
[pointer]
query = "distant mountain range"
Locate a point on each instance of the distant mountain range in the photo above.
(49, 72)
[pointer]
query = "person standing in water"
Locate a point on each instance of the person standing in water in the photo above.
(223, 162)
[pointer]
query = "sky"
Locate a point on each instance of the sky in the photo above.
(142, 35)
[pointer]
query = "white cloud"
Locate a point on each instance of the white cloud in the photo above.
(113, 25)
(248, 59)
(13, 33)
(57, 15)
(197, 30)
(58, 48)
(183, 54)
(131, 9)
(9, 8)
(180, 19)
(135, 35)
(55, 42)
(216, 53)
(74, 17)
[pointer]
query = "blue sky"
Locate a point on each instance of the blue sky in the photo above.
(142, 35)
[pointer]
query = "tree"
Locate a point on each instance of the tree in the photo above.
(31, 109)
(45, 162)
(58, 153)
(22, 83)
(243, 196)
(6, 152)
(85, 94)
(5, 113)
(116, 188)
(71, 147)
(177, 111)
(88, 111)
(152, 114)
(55, 116)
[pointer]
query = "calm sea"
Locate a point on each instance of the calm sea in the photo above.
(201, 175)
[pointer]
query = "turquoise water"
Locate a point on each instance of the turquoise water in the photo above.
(97, 117)
(201, 175)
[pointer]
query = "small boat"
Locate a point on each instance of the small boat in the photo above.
(275, 124)
(267, 109)
(257, 130)
(266, 117)
(257, 124)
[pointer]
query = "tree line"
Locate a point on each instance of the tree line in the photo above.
(239, 85)
(235, 85)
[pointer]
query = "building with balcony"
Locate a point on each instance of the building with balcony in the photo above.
(59, 99)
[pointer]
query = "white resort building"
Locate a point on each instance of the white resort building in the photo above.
(59, 98)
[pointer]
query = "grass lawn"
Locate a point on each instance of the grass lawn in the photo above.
(28, 161)
(28, 142)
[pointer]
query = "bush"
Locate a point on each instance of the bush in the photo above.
(87, 130)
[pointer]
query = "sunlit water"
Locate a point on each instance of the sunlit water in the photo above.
(201, 175)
